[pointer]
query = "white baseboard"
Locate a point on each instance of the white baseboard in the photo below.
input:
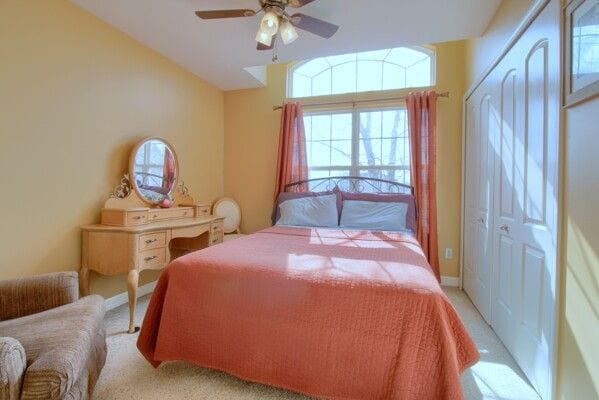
(122, 298)
(452, 281)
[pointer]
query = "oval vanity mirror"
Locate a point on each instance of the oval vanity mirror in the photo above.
(153, 169)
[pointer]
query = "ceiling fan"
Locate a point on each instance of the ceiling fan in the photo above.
(277, 21)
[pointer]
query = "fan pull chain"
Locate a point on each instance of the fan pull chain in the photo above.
(275, 56)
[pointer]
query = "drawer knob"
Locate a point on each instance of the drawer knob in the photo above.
(138, 217)
(155, 216)
(151, 241)
(150, 258)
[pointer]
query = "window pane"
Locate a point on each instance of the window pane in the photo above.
(395, 123)
(308, 128)
(344, 78)
(319, 154)
(370, 124)
(302, 86)
(329, 141)
(341, 153)
(370, 76)
(321, 84)
(321, 127)
(419, 74)
(341, 126)
(394, 77)
(370, 152)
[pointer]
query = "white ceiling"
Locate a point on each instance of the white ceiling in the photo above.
(220, 50)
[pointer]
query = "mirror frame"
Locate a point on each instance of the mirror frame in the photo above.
(132, 167)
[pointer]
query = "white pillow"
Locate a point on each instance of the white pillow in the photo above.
(320, 211)
(374, 216)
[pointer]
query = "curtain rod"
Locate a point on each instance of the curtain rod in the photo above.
(334, 103)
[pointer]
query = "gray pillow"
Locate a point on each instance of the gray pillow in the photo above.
(320, 211)
(374, 216)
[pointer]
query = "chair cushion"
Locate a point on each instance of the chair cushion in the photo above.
(12, 368)
(59, 344)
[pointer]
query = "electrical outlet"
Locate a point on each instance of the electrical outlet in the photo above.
(448, 253)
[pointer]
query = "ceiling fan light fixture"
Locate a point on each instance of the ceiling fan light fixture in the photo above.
(288, 32)
(264, 37)
(270, 23)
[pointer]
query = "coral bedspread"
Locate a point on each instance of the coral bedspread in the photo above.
(328, 313)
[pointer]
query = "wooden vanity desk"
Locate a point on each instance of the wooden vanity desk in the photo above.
(136, 234)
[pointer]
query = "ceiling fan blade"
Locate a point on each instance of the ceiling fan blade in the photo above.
(261, 46)
(299, 3)
(314, 25)
(214, 14)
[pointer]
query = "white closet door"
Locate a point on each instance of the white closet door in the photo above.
(536, 233)
(481, 134)
(479, 184)
(523, 93)
(471, 218)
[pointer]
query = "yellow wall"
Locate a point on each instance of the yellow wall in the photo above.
(251, 139)
(481, 52)
(75, 96)
(579, 320)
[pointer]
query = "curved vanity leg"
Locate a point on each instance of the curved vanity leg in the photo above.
(132, 280)
(84, 281)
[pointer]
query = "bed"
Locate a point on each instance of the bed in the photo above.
(330, 313)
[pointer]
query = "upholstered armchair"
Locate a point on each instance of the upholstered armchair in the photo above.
(52, 344)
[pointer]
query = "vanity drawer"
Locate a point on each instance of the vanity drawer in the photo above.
(125, 217)
(137, 218)
(152, 241)
(216, 238)
(216, 227)
(170, 213)
(155, 258)
(202, 211)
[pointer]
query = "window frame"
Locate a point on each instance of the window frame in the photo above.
(429, 50)
(355, 168)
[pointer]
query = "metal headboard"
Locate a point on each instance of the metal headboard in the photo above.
(353, 184)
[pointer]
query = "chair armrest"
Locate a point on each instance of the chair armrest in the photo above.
(12, 368)
(24, 296)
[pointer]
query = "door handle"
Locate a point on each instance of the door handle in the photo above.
(505, 228)
(481, 220)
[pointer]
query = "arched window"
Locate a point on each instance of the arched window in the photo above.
(398, 68)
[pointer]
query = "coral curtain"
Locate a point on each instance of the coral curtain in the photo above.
(168, 170)
(422, 110)
(292, 163)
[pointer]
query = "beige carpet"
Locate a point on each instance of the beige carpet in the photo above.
(128, 376)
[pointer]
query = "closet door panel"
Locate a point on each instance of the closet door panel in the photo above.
(536, 232)
(535, 139)
(478, 276)
(505, 247)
